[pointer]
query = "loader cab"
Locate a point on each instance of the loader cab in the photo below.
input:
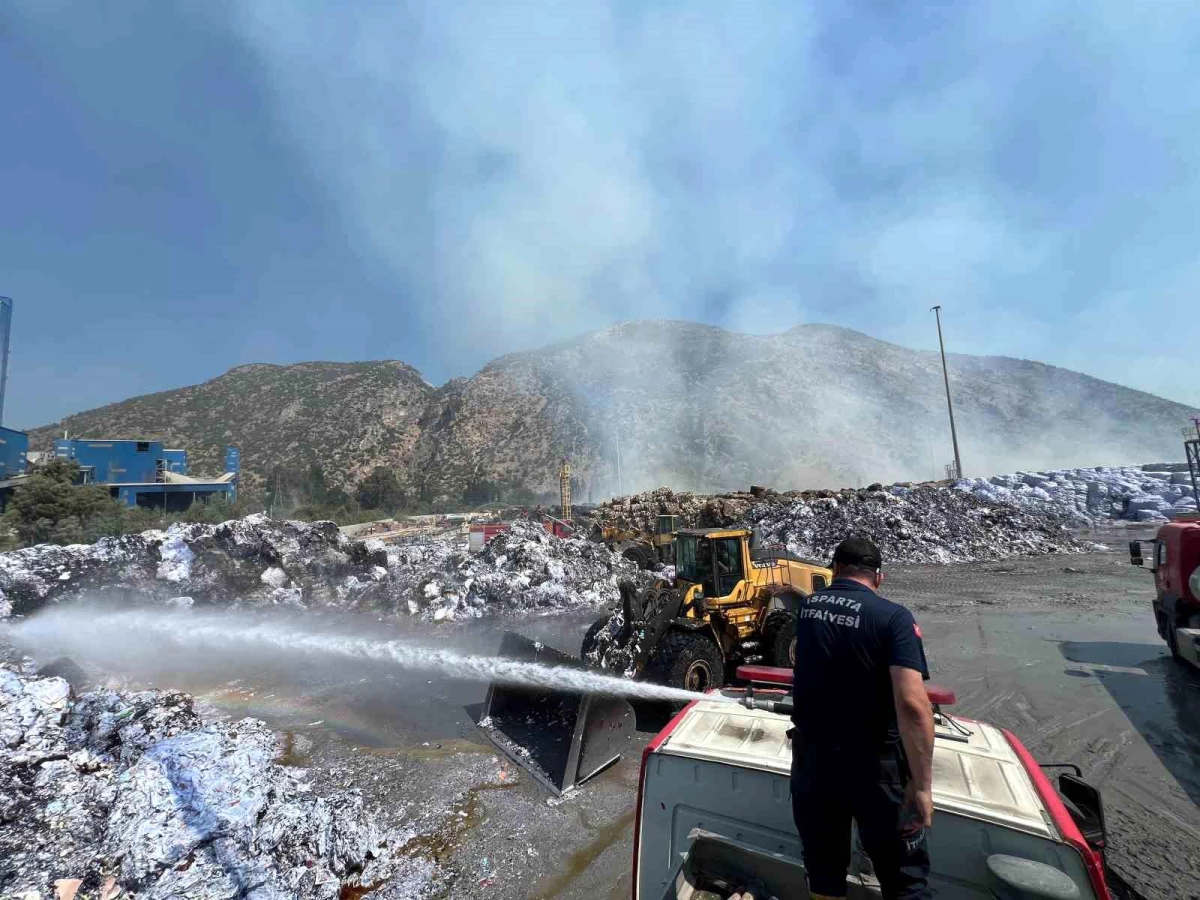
(663, 539)
(714, 558)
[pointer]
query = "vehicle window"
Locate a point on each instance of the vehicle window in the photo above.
(685, 559)
(819, 583)
(728, 557)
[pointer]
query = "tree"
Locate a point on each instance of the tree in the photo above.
(381, 490)
(48, 507)
(480, 491)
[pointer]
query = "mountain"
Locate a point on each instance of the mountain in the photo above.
(348, 416)
(677, 403)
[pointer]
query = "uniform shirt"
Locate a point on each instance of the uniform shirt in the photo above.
(847, 638)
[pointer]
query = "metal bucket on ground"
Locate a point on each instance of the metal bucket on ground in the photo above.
(562, 738)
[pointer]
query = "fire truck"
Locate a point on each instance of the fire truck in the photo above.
(1174, 558)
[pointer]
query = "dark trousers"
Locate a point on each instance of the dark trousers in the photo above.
(826, 796)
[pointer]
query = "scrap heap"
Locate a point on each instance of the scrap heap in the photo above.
(133, 795)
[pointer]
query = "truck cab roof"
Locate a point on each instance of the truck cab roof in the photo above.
(978, 775)
(723, 769)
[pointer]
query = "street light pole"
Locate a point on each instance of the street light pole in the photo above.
(937, 311)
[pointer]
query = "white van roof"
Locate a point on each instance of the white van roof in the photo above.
(980, 777)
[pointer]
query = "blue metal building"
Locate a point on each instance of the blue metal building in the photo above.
(14, 447)
(145, 473)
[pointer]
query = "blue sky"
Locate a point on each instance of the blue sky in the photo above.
(190, 187)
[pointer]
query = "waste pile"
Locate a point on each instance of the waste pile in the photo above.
(258, 561)
(133, 795)
(255, 561)
(913, 525)
(1151, 493)
(523, 569)
(640, 512)
(922, 524)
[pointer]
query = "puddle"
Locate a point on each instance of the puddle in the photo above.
(464, 815)
(581, 860)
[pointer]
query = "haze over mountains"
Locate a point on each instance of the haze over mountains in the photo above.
(678, 403)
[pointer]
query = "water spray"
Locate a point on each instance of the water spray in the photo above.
(190, 630)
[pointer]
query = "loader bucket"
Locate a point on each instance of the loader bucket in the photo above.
(562, 738)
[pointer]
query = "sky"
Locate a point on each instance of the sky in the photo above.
(188, 187)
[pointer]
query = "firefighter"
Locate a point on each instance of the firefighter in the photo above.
(863, 736)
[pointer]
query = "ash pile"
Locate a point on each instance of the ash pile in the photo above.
(525, 569)
(254, 561)
(132, 795)
(913, 525)
(1150, 493)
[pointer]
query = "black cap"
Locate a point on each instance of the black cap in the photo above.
(858, 551)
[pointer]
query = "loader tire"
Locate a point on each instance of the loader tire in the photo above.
(779, 639)
(592, 636)
(689, 660)
(643, 557)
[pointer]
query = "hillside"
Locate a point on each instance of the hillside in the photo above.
(682, 404)
(347, 416)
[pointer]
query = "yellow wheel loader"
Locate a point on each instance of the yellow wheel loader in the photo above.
(731, 603)
(643, 548)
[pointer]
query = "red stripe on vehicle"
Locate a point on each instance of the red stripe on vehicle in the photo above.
(1062, 819)
(637, 814)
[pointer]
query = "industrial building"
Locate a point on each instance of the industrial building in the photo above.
(146, 473)
(14, 452)
(14, 445)
(138, 473)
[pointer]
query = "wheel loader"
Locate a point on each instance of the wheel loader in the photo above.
(644, 548)
(731, 603)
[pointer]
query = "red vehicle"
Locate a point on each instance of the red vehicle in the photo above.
(1174, 558)
(478, 535)
(713, 812)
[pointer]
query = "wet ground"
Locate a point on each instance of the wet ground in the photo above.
(1062, 650)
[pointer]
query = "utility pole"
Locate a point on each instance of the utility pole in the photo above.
(620, 489)
(937, 312)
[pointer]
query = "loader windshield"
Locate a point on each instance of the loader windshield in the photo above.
(693, 559)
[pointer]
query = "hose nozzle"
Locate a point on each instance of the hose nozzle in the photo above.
(783, 706)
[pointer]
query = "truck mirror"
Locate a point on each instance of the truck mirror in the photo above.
(1135, 553)
(1086, 808)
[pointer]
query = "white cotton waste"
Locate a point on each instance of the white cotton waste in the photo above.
(1152, 493)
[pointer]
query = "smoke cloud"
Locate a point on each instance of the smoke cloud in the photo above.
(531, 170)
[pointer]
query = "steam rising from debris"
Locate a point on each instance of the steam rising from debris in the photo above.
(107, 635)
(532, 173)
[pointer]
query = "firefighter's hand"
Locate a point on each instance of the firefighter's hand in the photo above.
(918, 807)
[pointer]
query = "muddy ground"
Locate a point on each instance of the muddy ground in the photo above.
(1060, 649)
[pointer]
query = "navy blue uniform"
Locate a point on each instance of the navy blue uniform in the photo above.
(847, 757)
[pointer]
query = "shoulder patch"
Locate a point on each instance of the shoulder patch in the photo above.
(917, 629)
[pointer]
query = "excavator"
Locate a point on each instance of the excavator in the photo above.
(732, 602)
